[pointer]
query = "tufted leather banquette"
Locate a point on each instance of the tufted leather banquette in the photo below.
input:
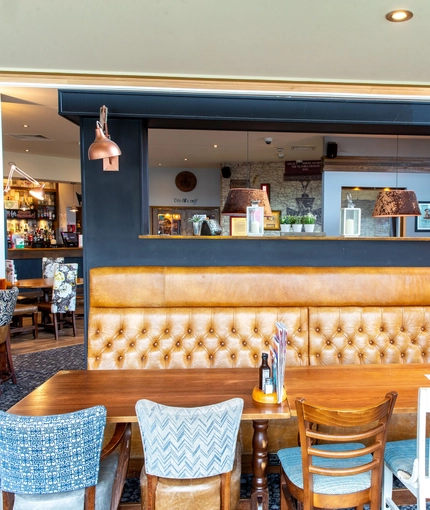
(189, 317)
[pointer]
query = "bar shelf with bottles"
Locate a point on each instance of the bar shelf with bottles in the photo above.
(34, 221)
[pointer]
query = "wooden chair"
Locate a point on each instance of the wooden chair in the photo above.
(409, 460)
(7, 306)
(57, 461)
(189, 443)
(344, 469)
(63, 301)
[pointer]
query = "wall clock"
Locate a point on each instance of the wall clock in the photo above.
(186, 181)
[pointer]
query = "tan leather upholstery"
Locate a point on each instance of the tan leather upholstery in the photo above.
(189, 317)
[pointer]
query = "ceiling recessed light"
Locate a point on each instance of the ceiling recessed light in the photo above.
(215, 146)
(27, 150)
(185, 159)
(159, 164)
(399, 15)
(25, 125)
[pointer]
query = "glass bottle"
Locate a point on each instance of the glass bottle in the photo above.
(264, 371)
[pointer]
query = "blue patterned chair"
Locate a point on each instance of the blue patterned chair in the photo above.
(63, 299)
(7, 306)
(409, 460)
(343, 471)
(53, 462)
(189, 443)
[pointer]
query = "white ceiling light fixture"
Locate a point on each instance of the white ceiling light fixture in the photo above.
(399, 15)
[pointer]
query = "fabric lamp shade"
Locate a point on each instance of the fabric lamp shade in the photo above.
(238, 199)
(392, 203)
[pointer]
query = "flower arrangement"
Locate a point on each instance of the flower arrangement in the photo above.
(309, 219)
(196, 218)
(296, 220)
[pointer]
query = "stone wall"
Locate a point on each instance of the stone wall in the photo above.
(285, 196)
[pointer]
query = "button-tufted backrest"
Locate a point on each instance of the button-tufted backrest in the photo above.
(194, 317)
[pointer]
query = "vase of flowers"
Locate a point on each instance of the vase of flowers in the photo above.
(309, 222)
(197, 221)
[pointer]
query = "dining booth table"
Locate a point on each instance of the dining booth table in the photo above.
(336, 386)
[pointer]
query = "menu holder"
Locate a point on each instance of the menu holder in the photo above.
(267, 398)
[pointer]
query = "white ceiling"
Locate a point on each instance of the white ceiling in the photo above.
(325, 42)
(38, 108)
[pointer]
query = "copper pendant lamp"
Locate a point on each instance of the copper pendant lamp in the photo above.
(238, 199)
(395, 203)
(103, 147)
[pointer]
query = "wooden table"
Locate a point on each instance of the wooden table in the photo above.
(343, 386)
(118, 391)
(45, 284)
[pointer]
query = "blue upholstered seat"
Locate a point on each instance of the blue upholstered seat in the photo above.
(291, 461)
(409, 459)
(48, 461)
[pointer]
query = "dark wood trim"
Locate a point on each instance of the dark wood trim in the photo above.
(38, 253)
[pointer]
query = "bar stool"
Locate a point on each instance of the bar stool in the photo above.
(21, 311)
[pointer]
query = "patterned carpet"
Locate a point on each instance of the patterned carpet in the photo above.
(34, 369)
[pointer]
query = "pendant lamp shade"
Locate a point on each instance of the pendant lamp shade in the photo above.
(238, 199)
(103, 147)
(398, 202)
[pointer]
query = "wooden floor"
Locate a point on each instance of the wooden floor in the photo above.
(25, 343)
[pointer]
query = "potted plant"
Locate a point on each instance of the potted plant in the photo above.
(309, 222)
(286, 223)
(197, 221)
(296, 223)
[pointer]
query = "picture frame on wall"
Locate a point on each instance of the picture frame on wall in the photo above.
(422, 223)
(266, 187)
(273, 222)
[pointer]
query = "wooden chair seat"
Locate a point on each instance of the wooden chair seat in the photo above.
(21, 311)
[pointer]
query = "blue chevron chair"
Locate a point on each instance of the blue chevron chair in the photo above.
(345, 469)
(189, 443)
(409, 460)
(53, 462)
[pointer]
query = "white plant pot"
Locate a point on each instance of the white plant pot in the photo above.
(309, 227)
(285, 227)
(297, 227)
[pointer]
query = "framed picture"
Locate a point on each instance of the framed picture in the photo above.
(266, 187)
(238, 226)
(422, 223)
(273, 222)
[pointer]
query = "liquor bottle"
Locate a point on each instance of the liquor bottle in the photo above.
(264, 371)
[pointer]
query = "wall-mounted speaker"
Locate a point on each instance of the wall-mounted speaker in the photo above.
(226, 172)
(331, 149)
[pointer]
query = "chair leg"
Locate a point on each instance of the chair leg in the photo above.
(36, 329)
(90, 498)
(9, 357)
(74, 322)
(8, 500)
(225, 490)
(151, 490)
(55, 321)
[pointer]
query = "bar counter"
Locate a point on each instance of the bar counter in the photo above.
(28, 261)
(39, 253)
